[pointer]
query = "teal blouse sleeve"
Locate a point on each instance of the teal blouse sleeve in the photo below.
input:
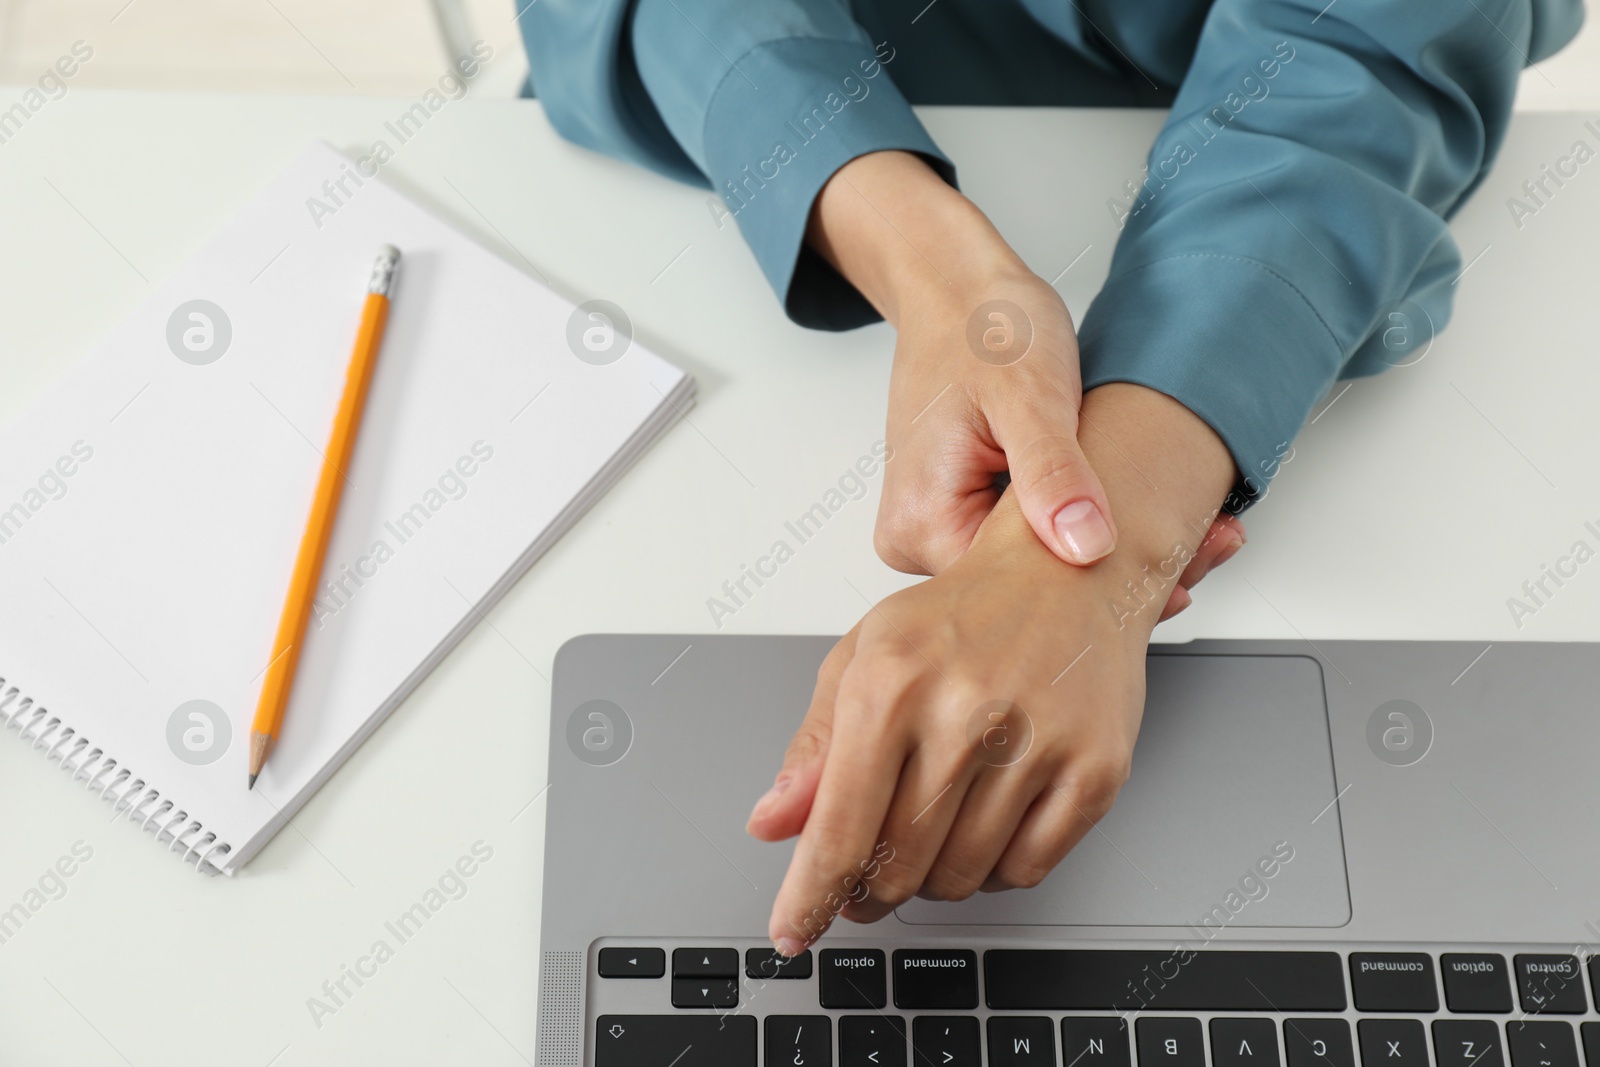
(1291, 228)
(762, 102)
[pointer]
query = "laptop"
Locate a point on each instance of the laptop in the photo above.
(1347, 854)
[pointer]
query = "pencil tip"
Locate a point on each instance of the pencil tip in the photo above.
(252, 784)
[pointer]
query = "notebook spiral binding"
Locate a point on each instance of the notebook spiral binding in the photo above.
(128, 794)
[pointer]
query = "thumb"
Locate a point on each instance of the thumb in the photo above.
(1057, 488)
(782, 811)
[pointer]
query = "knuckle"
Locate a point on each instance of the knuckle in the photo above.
(954, 878)
(891, 888)
(892, 556)
(1021, 873)
(895, 537)
(838, 873)
(1095, 783)
(834, 663)
(1052, 460)
(897, 521)
(809, 742)
(880, 681)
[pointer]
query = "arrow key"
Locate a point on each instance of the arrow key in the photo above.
(946, 1041)
(705, 992)
(632, 963)
(705, 963)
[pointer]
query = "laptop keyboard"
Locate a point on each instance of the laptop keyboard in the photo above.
(949, 1007)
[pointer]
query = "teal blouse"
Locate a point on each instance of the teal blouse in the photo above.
(1292, 222)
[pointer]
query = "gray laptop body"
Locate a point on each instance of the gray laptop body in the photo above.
(1424, 810)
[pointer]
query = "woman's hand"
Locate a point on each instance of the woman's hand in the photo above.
(986, 382)
(985, 378)
(971, 729)
(975, 727)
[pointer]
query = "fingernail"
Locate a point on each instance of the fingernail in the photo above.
(1084, 530)
(1227, 553)
(770, 797)
(787, 946)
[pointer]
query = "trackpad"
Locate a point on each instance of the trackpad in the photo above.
(1227, 819)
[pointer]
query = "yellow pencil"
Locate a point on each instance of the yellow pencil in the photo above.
(324, 507)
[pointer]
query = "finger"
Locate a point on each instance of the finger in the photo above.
(1059, 491)
(932, 787)
(1222, 541)
(934, 498)
(1179, 600)
(782, 811)
(990, 815)
(1058, 819)
(838, 853)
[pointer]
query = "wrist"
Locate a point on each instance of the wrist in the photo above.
(1166, 474)
(1165, 470)
(1124, 591)
(898, 232)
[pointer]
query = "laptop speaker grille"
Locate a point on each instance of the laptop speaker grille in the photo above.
(560, 1009)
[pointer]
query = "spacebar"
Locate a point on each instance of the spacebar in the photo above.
(1177, 980)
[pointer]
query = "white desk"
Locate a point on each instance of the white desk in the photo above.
(1413, 507)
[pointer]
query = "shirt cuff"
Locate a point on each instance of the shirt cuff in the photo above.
(1227, 337)
(781, 122)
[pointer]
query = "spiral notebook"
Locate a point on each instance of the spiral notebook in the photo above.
(152, 501)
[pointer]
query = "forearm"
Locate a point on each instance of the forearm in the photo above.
(896, 230)
(1166, 473)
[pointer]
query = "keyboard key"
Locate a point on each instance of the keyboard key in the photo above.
(705, 963)
(1476, 982)
(1021, 1041)
(1393, 981)
(1244, 1043)
(1550, 985)
(935, 978)
(1318, 1043)
(1541, 1044)
(946, 1041)
(1467, 1043)
(1170, 1042)
(766, 963)
(1393, 1043)
(1089, 1041)
(684, 1040)
(852, 978)
(1591, 1037)
(799, 1041)
(1126, 979)
(872, 1040)
(705, 992)
(632, 963)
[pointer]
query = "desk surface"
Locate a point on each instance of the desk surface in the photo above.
(1414, 506)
